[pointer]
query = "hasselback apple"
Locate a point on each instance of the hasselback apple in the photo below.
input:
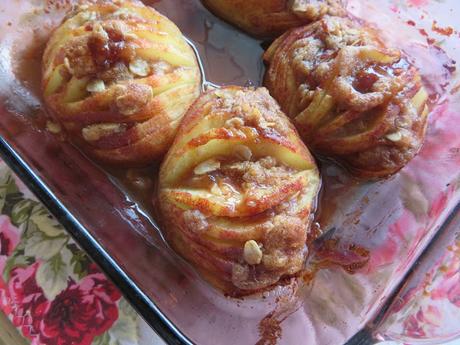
(237, 191)
(352, 98)
(118, 76)
(270, 18)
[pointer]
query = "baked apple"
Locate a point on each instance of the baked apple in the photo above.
(351, 97)
(237, 191)
(270, 18)
(119, 76)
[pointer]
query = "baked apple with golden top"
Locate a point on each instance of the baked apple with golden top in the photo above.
(270, 18)
(237, 191)
(119, 76)
(350, 96)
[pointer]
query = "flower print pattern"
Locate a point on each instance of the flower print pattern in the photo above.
(9, 238)
(27, 300)
(80, 312)
(49, 288)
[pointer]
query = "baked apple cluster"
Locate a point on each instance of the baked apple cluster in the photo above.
(237, 187)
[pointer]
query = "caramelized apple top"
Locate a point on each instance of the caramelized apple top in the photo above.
(113, 65)
(241, 153)
(239, 185)
(350, 96)
(269, 18)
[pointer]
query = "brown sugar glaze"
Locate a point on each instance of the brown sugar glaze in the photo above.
(231, 57)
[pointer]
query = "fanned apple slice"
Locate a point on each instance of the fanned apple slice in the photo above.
(119, 76)
(237, 190)
(238, 204)
(270, 18)
(351, 96)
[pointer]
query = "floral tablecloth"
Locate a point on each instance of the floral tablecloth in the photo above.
(49, 289)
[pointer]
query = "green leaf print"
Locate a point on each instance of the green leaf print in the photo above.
(103, 339)
(52, 276)
(126, 308)
(7, 187)
(21, 211)
(10, 201)
(14, 261)
(41, 217)
(79, 261)
(17, 258)
(43, 247)
(125, 329)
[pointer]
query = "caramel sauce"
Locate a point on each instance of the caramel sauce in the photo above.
(216, 177)
(365, 81)
(106, 53)
(447, 31)
(207, 181)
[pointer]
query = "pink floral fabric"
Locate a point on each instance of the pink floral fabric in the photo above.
(49, 288)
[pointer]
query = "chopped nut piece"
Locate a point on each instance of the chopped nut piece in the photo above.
(234, 122)
(251, 203)
(275, 260)
(160, 68)
(67, 65)
(100, 32)
(243, 152)
(88, 16)
(118, 72)
(216, 190)
(96, 132)
(227, 189)
(132, 98)
(206, 167)
(53, 127)
(252, 253)
(96, 85)
(256, 112)
(196, 221)
(304, 9)
(139, 67)
(246, 108)
(395, 137)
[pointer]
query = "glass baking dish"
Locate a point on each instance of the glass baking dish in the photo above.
(350, 293)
